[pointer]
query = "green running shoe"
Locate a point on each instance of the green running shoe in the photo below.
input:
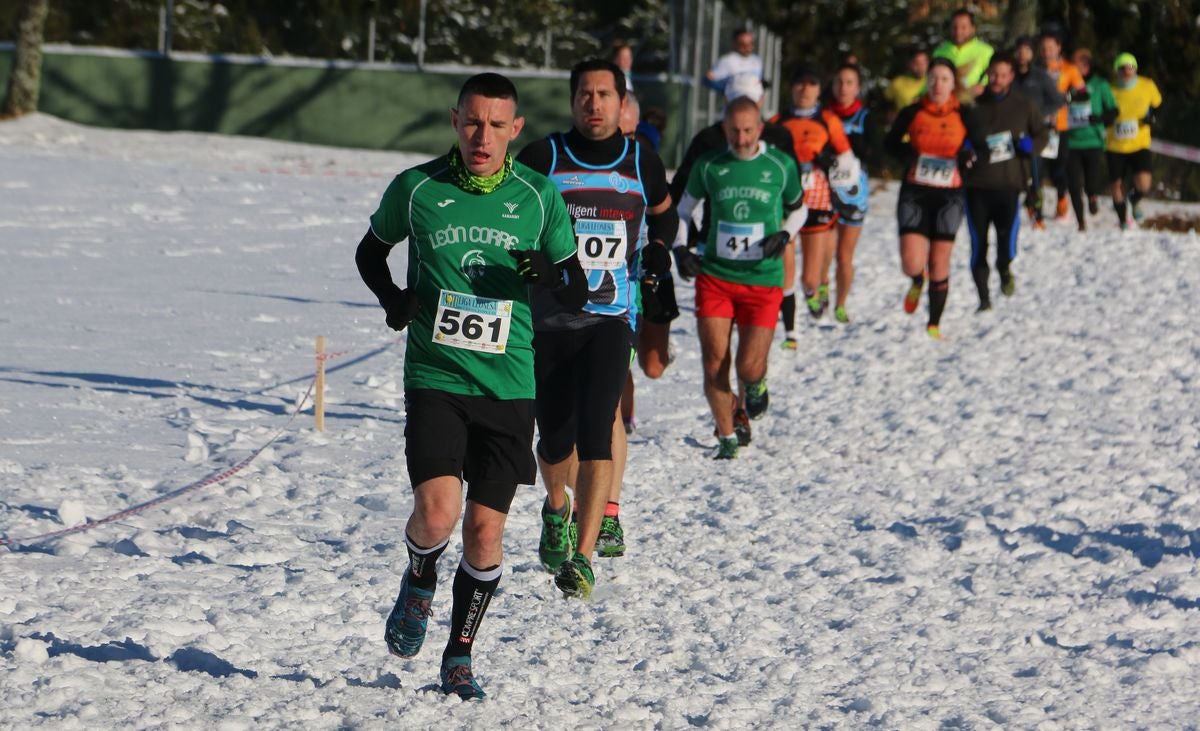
(557, 542)
(788, 343)
(727, 448)
(839, 314)
(823, 293)
(1008, 285)
(757, 398)
(813, 301)
(458, 679)
(611, 542)
(575, 578)
(404, 631)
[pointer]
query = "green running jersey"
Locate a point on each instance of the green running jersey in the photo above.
(747, 199)
(473, 333)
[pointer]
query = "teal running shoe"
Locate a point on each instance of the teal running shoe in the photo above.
(458, 679)
(404, 631)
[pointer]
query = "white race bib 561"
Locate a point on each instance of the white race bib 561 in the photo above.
(472, 323)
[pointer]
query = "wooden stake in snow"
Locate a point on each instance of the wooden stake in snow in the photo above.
(319, 390)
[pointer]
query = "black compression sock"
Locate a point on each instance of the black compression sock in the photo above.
(788, 312)
(473, 590)
(422, 563)
(1136, 196)
(1119, 207)
(938, 291)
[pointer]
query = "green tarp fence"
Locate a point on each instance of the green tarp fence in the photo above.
(376, 106)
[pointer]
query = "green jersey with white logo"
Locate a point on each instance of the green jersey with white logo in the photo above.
(747, 199)
(473, 333)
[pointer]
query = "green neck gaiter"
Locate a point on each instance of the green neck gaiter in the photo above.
(472, 183)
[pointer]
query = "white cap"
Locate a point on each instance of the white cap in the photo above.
(745, 85)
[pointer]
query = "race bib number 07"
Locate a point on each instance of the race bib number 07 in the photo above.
(472, 323)
(739, 241)
(601, 244)
(936, 172)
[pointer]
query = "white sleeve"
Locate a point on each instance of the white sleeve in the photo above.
(686, 209)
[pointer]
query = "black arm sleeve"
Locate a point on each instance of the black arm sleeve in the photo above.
(371, 258)
(660, 226)
(894, 143)
(663, 226)
(572, 293)
(538, 155)
(654, 177)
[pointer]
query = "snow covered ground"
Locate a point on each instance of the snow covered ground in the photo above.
(1000, 530)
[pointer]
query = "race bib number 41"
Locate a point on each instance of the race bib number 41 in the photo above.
(936, 172)
(739, 241)
(601, 244)
(472, 323)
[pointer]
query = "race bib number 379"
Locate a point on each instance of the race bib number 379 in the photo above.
(936, 172)
(601, 244)
(472, 323)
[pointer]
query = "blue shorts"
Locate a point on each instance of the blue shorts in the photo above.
(853, 201)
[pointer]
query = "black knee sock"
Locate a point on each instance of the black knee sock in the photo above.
(1119, 207)
(422, 563)
(1136, 196)
(938, 290)
(788, 311)
(473, 590)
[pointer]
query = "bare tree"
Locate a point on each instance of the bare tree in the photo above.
(1021, 20)
(26, 78)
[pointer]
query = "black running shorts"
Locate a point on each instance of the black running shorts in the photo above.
(580, 376)
(484, 441)
(1124, 164)
(934, 213)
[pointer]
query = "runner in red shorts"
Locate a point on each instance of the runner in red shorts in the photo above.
(751, 188)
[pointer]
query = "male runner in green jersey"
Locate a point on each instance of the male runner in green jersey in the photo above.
(480, 228)
(751, 188)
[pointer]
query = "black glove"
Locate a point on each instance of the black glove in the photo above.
(772, 244)
(1150, 118)
(1081, 95)
(533, 265)
(655, 259)
(400, 306)
(825, 158)
(686, 262)
(967, 157)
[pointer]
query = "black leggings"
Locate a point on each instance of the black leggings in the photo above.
(987, 208)
(1086, 168)
(580, 376)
